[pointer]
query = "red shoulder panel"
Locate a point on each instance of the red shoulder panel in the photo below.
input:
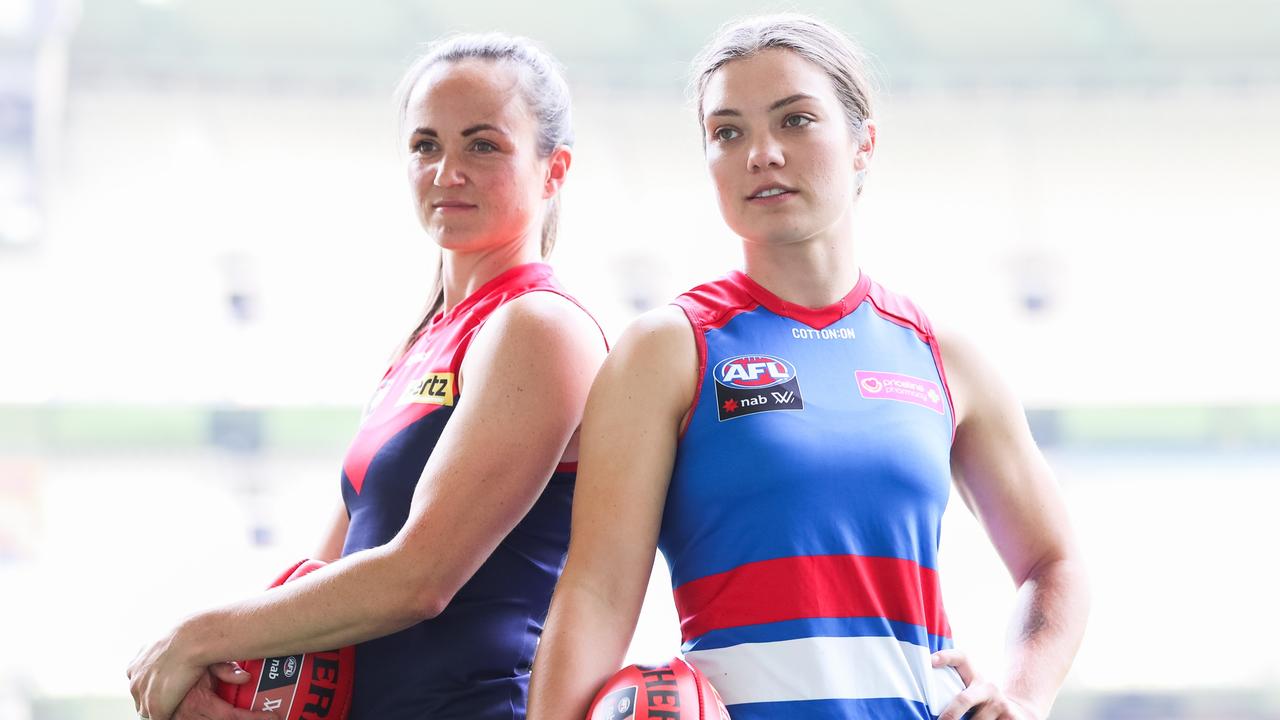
(899, 309)
(711, 305)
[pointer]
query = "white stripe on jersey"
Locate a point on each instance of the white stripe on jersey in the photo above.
(822, 668)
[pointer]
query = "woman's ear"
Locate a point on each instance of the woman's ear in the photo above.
(867, 147)
(557, 169)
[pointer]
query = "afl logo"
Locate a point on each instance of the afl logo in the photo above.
(754, 372)
(617, 705)
(290, 667)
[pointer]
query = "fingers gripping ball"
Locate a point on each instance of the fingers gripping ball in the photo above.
(674, 691)
(310, 686)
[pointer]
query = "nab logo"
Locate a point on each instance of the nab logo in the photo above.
(754, 371)
(750, 384)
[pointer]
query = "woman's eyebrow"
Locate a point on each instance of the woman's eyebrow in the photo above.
(482, 127)
(429, 132)
(790, 99)
(721, 112)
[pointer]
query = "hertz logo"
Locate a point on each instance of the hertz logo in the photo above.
(432, 389)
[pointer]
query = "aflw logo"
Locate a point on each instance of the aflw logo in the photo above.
(754, 371)
(750, 384)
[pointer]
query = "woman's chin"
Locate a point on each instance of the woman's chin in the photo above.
(452, 237)
(776, 237)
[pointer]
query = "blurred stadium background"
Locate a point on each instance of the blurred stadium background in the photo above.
(207, 251)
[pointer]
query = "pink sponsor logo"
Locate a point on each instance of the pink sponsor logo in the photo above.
(875, 385)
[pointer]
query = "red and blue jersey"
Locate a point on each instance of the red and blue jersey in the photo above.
(802, 523)
(473, 659)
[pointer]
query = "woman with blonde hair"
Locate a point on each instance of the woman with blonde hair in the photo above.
(788, 435)
(458, 484)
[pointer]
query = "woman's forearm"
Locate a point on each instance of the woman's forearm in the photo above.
(1045, 632)
(363, 596)
(629, 435)
(585, 641)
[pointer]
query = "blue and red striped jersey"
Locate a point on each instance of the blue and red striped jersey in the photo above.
(472, 660)
(802, 523)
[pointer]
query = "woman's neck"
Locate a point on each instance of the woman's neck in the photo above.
(813, 273)
(465, 272)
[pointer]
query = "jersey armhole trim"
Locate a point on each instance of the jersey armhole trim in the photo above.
(554, 291)
(925, 334)
(460, 353)
(700, 342)
(946, 386)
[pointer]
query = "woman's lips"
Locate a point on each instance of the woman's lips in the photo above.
(774, 199)
(451, 206)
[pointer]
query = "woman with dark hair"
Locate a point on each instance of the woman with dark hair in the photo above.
(788, 435)
(458, 484)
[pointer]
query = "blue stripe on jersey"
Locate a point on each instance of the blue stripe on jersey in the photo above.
(818, 627)
(876, 709)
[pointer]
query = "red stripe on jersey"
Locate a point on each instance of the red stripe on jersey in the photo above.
(812, 586)
(816, 318)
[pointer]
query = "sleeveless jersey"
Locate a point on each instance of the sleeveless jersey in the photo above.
(472, 660)
(802, 522)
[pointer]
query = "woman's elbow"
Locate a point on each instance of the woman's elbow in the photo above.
(414, 593)
(432, 603)
(425, 601)
(1065, 574)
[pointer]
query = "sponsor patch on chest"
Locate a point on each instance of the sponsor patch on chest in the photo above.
(748, 384)
(433, 389)
(877, 385)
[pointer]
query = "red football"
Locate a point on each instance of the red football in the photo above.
(674, 691)
(307, 686)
